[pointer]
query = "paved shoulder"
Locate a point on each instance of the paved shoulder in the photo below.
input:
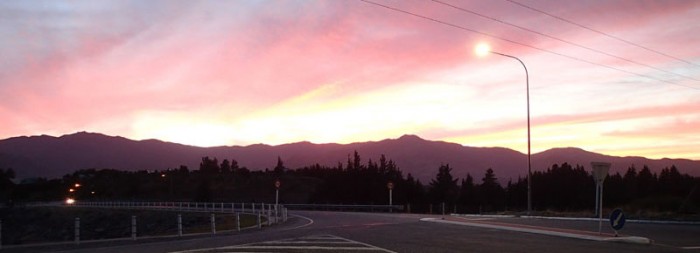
(318, 243)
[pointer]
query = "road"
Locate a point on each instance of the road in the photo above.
(376, 232)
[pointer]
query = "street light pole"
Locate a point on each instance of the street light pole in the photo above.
(483, 49)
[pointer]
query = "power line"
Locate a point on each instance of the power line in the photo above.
(562, 40)
(602, 33)
(523, 44)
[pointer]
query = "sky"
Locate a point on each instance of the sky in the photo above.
(615, 77)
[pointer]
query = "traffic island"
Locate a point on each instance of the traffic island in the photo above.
(568, 233)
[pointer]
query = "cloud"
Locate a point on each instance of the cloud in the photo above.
(243, 69)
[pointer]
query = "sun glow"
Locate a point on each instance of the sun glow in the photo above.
(482, 49)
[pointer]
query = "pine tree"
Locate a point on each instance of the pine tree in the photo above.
(443, 189)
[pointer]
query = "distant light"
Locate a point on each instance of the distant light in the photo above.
(482, 49)
(77, 185)
(92, 192)
(71, 190)
(70, 201)
(162, 175)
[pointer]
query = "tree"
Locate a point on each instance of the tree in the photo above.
(646, 183)
(6, 184)
(629, 181)
(204, 192)
(225, 166)
(443, 189)
(209, 166)
(467, 192)
(279, 168)
(491, 194)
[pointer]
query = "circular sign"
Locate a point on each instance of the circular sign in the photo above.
(390, 185)
(277, 184)
(617, 219)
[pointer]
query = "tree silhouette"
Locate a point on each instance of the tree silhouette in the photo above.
(491, 195)
(6, 184)
(467, 193)
(443, 189)
(279, 168)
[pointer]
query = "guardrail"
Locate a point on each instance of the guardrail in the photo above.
(271, 213)
(279, 211)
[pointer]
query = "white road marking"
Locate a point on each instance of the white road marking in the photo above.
(311, 222)
(314, 243)
(691, 247)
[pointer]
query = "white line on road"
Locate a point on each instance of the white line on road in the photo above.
(311, 222)
(350, 245)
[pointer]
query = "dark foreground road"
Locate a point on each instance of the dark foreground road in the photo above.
(368, 232)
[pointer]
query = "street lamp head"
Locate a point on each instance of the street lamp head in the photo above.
(482, 49)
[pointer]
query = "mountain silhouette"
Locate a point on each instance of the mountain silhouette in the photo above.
(51, 157)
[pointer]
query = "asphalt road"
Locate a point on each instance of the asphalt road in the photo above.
(372, 232)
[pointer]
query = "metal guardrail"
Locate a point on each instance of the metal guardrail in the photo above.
(215, 207)
(273, 214)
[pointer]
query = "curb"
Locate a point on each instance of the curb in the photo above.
(626, 239)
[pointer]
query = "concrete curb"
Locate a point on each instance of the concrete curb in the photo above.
(579, 219)
(626, 239)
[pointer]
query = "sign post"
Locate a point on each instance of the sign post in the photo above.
(600, 172)
(390, 186)
(277, 191)
(617, 220)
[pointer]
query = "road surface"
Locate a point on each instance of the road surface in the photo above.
(376, 232)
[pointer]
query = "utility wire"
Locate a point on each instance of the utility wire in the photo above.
(524, 45)
(562, 40)
(602, 33)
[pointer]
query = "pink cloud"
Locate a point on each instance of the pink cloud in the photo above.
(690, 108)
(103, 64)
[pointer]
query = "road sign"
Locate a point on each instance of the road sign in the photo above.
(390, 185)
(617, 219)
(278, 184)
(600, 171)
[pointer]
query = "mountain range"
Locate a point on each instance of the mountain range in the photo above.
(51, 157)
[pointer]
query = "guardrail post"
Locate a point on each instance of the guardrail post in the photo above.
(269, 216)
(133, 227)
(77, 231)
(213, 223)
(262, 207)
(222, 207)
(431, 208)
(253, 208)
(259, 221)
(238, 221)
(443, 208)
(179, 224)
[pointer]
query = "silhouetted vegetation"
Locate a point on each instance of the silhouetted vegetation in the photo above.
(561, 188)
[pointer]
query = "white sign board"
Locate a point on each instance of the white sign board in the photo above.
(600, 171)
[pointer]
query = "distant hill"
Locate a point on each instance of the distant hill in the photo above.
(47, 156)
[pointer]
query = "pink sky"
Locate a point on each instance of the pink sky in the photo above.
(213, 73)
